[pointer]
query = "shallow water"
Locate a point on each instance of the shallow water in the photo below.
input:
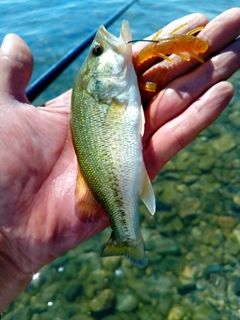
(192, 242)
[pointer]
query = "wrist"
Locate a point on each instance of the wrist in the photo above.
(12, 281)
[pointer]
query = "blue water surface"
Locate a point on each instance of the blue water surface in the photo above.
(52, 29)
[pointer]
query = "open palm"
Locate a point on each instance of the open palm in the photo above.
(37, 159)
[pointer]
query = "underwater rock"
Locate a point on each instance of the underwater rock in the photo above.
(175, 264)
(80, 316)
(72, 290)
(237, 285)
(206, 163)
(167, 246)
(224, 143)
(112, 317)
(17, 314)
(50, 292)
(164, 305)
(197, 233)
(236, 234)
(213, 268)
(111, 263)
(140, 290)
(169, 194)
(205, 311)
(236, 199)
(187, 280)
(175, 225)
(190, 178)
(92, 259)
(235, 163)
(126, 302)
(169, 166)
(234, 117)
(183, 188)
(212, 236)
(146, 313)
(179, 312)
(38, 307)
(227, 223)
(185, 159)
(105, 300)
(189, 207)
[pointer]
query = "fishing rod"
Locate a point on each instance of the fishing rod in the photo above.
(52, 73)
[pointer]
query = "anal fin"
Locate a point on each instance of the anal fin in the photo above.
(147, 193)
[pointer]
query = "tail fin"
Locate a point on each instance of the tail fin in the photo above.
(132, 249)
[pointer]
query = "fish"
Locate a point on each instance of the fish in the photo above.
(107, 125)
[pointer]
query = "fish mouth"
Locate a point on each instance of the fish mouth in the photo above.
(119, 45)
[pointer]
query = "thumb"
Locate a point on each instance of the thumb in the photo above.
(16, 65)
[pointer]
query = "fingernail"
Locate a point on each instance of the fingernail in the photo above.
(7, 43)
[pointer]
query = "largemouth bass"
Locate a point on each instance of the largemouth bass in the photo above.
(107, 126)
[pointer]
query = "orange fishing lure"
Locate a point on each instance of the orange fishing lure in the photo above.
(172, 43)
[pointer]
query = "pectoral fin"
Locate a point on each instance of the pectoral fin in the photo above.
(86, 207)
(147, 193)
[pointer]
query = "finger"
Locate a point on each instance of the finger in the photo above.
(183, 91)
(218, 33)
(176, 134)
(62, 102)
(16, 64)
(221, 31)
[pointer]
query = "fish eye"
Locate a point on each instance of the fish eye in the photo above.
(97, 50)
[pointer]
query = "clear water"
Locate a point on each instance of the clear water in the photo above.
(51, 29)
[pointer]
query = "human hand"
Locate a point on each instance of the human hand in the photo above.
(37, 159)
(38, 177)
(194, 95)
